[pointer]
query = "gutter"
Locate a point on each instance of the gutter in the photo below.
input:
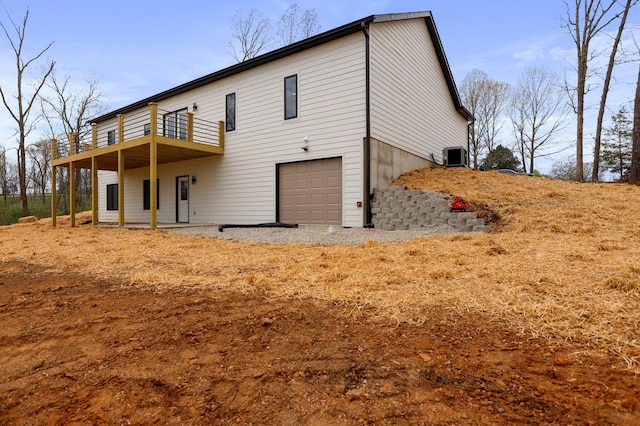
(283, 52)
(367, 140)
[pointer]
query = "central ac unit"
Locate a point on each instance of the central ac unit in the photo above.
(455, 156)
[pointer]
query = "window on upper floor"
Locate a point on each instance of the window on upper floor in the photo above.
(175, 124)
(147, 129)
(291, 97)
(111, 137)
(230, 116)
(112, 196)
(146, 194)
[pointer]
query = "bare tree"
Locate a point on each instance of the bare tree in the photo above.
(39, 155)
(634, 174)
(605, 87)
(251, 33)
(537, 111)
(67, 108)
(21, 109)
(566, 169)
(485, 98)
(294, 26)
(584, 20)
(7, 175)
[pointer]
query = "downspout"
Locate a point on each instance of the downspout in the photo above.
(469, 130)
(367, 141)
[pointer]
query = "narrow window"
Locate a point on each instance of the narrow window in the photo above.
(111, 137)
(147, 129)
(175, 124)
(291, 97)
(231, 112)
(146, 194)
(184, 190)
(112, 196)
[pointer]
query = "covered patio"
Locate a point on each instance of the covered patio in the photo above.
(139, 139)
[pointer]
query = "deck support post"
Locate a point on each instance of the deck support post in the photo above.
(94, 190)
(120, 188)
(54, 155)
(94, 175)
(153, 183)
(153, 166)
(72, 194)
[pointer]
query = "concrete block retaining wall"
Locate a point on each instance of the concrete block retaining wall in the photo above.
(396, 208)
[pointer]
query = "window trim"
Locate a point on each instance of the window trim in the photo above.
(287, 114)
(230, 126)
(112, 197)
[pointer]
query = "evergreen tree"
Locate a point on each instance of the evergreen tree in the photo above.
(617, 146)
(501, 158)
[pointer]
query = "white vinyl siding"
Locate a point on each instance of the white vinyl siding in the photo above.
(240, 186)
(411, 106)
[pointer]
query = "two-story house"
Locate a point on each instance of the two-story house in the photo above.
(301, 134)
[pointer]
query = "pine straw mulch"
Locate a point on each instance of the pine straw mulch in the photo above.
(562, 261)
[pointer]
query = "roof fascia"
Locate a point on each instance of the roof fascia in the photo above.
(274, 55)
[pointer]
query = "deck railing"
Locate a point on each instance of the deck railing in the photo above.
(147, 122)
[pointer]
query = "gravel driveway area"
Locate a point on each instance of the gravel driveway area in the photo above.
(310, 234)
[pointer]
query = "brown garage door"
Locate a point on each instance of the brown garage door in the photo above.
(311, 192)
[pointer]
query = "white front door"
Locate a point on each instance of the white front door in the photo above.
(183, 199)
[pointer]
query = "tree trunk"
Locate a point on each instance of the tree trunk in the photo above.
(22, 175)
(634, 176)
(582, 77)
(605, 92)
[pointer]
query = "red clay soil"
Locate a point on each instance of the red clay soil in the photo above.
(76, 350)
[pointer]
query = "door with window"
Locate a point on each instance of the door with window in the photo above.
(182, 195)
(175, 124)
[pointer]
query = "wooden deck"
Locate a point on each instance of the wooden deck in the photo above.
(133, 148)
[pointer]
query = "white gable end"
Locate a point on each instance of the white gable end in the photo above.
(411, 105)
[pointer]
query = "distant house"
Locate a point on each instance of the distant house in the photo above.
(301, 134)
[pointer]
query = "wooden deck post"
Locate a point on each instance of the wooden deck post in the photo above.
(94, 190)
(94, 136)
(120, 188)
(153, 183)
(189, 126)
(94, 174)
(54, 156)
(153, 118)
(221, 134)
(72, 180)
(120, 128)
(153, 166)
(72, 194)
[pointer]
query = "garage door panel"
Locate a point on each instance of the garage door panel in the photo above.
(317, 200)
(318, 166)
(311, 191)
(333, 200)
(318, 183)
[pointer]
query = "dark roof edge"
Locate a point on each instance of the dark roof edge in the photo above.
(300, 46)
(282, 52)
(444, 64)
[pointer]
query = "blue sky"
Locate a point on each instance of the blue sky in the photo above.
(139, 48)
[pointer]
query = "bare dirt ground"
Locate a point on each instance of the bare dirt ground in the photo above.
(75, 349)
